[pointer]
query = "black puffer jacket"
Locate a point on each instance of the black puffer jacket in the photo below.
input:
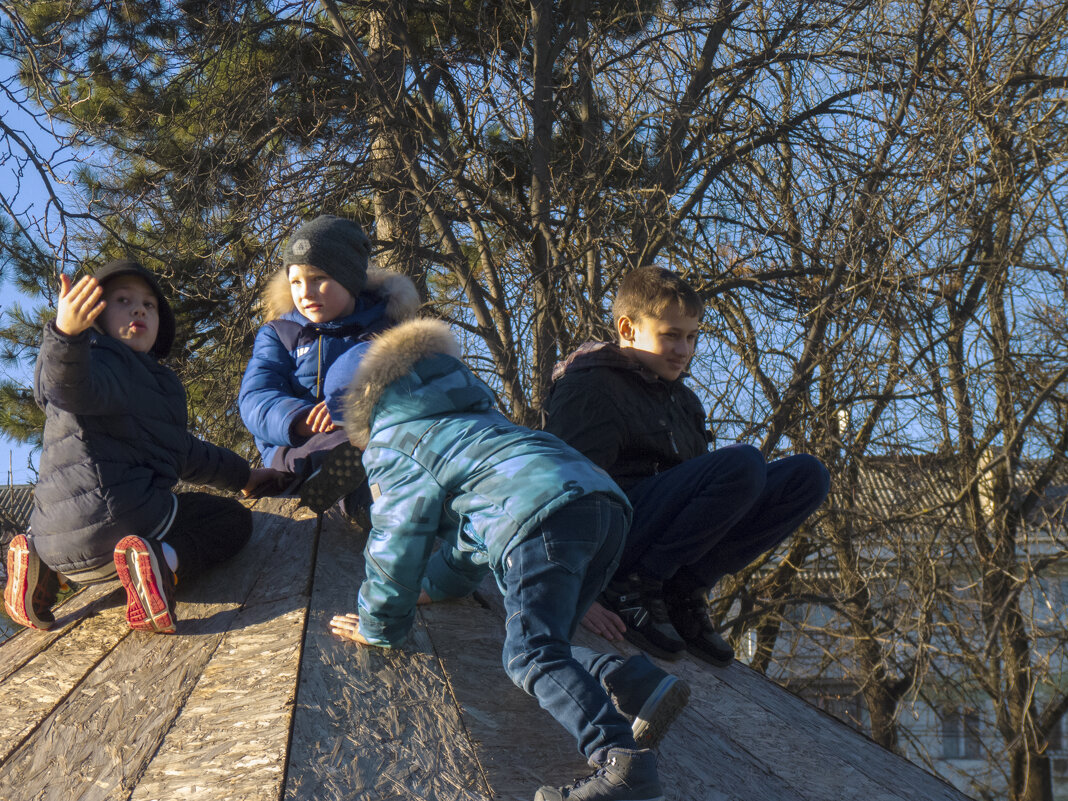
(623, 417)
(115, 443)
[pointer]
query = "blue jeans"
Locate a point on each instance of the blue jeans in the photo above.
(712, 515)
(550, 580)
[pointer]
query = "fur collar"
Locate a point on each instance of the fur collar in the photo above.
(390, 356)
(402, 296)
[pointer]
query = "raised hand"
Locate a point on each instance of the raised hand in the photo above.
(79, 305)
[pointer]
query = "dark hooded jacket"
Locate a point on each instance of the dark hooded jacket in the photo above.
(622, 416)
(115, 442)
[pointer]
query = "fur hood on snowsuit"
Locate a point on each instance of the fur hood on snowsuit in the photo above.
(402, 304)
(391, 356)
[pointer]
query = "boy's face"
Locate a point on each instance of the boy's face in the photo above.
(318, 296)
(663, 344)
(132, 312)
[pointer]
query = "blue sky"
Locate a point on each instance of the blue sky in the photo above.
(31, 202)
(13, 453)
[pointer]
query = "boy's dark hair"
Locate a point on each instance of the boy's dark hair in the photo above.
(650, 292)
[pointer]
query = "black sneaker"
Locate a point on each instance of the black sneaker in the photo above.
(647, 696)
(624, 775)
(639, 601)
(340, 473)
(689, 614)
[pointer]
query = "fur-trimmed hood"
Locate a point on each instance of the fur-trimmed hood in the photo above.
(402, 298)
(391, 357)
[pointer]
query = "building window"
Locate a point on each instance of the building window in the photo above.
(961, 734)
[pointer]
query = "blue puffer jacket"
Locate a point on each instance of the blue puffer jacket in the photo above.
(115, 443)
(442, 462)
(292, 358)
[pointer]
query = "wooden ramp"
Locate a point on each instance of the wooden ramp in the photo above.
(253, 698)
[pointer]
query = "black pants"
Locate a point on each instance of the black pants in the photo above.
(207, 529)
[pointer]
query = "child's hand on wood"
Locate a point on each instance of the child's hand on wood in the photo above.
(604, 622)
(265, 481)
(347, 627)
(79, 305)
(318, 421)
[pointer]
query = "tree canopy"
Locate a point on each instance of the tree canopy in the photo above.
(869, 196)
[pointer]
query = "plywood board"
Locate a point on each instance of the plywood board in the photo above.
(372, 723)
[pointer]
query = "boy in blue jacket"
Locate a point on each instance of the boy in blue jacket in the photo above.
(323, 307)
(115, 443)
(443, 463)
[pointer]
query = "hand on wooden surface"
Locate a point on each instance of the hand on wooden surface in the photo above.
(604, 622)
(347, 627)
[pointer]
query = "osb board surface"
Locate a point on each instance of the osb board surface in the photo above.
(371, 723)
(743, 737)
(92, 710)
(117, 700)
(519, 745)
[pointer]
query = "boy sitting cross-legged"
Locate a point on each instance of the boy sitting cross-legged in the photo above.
(324, 304)
(115, 444)
(699, 515)
(443, 463)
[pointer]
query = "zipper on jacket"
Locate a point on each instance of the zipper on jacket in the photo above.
(319, 370)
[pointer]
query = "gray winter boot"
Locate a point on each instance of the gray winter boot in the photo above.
(625, 775)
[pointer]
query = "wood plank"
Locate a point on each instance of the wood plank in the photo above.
(128, 703)
(31, 693)
(520, 746)
(372, 723)
(26, 644)
(695, 762)
(745, 729)
(835, 758)
(231, 738)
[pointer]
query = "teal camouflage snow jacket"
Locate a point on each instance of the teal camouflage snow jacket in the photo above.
(442, 462)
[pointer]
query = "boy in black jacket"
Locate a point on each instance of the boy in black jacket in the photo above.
(699, 515)
(115, 444)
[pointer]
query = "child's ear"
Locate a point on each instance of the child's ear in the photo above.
(625, 329)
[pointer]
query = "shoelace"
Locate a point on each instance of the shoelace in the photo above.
(597, 774)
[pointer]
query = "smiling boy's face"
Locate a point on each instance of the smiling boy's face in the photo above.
(132, 312)
(318, 296)
(662, 344)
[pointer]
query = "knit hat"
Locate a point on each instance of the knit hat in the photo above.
(337, 246)
(165, 337)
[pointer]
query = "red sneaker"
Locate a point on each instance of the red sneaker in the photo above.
(149, 584)
(32, 586)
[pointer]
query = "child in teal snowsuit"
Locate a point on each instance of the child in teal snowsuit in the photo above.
(443, 463)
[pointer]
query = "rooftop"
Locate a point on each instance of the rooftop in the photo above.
(253, 698)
